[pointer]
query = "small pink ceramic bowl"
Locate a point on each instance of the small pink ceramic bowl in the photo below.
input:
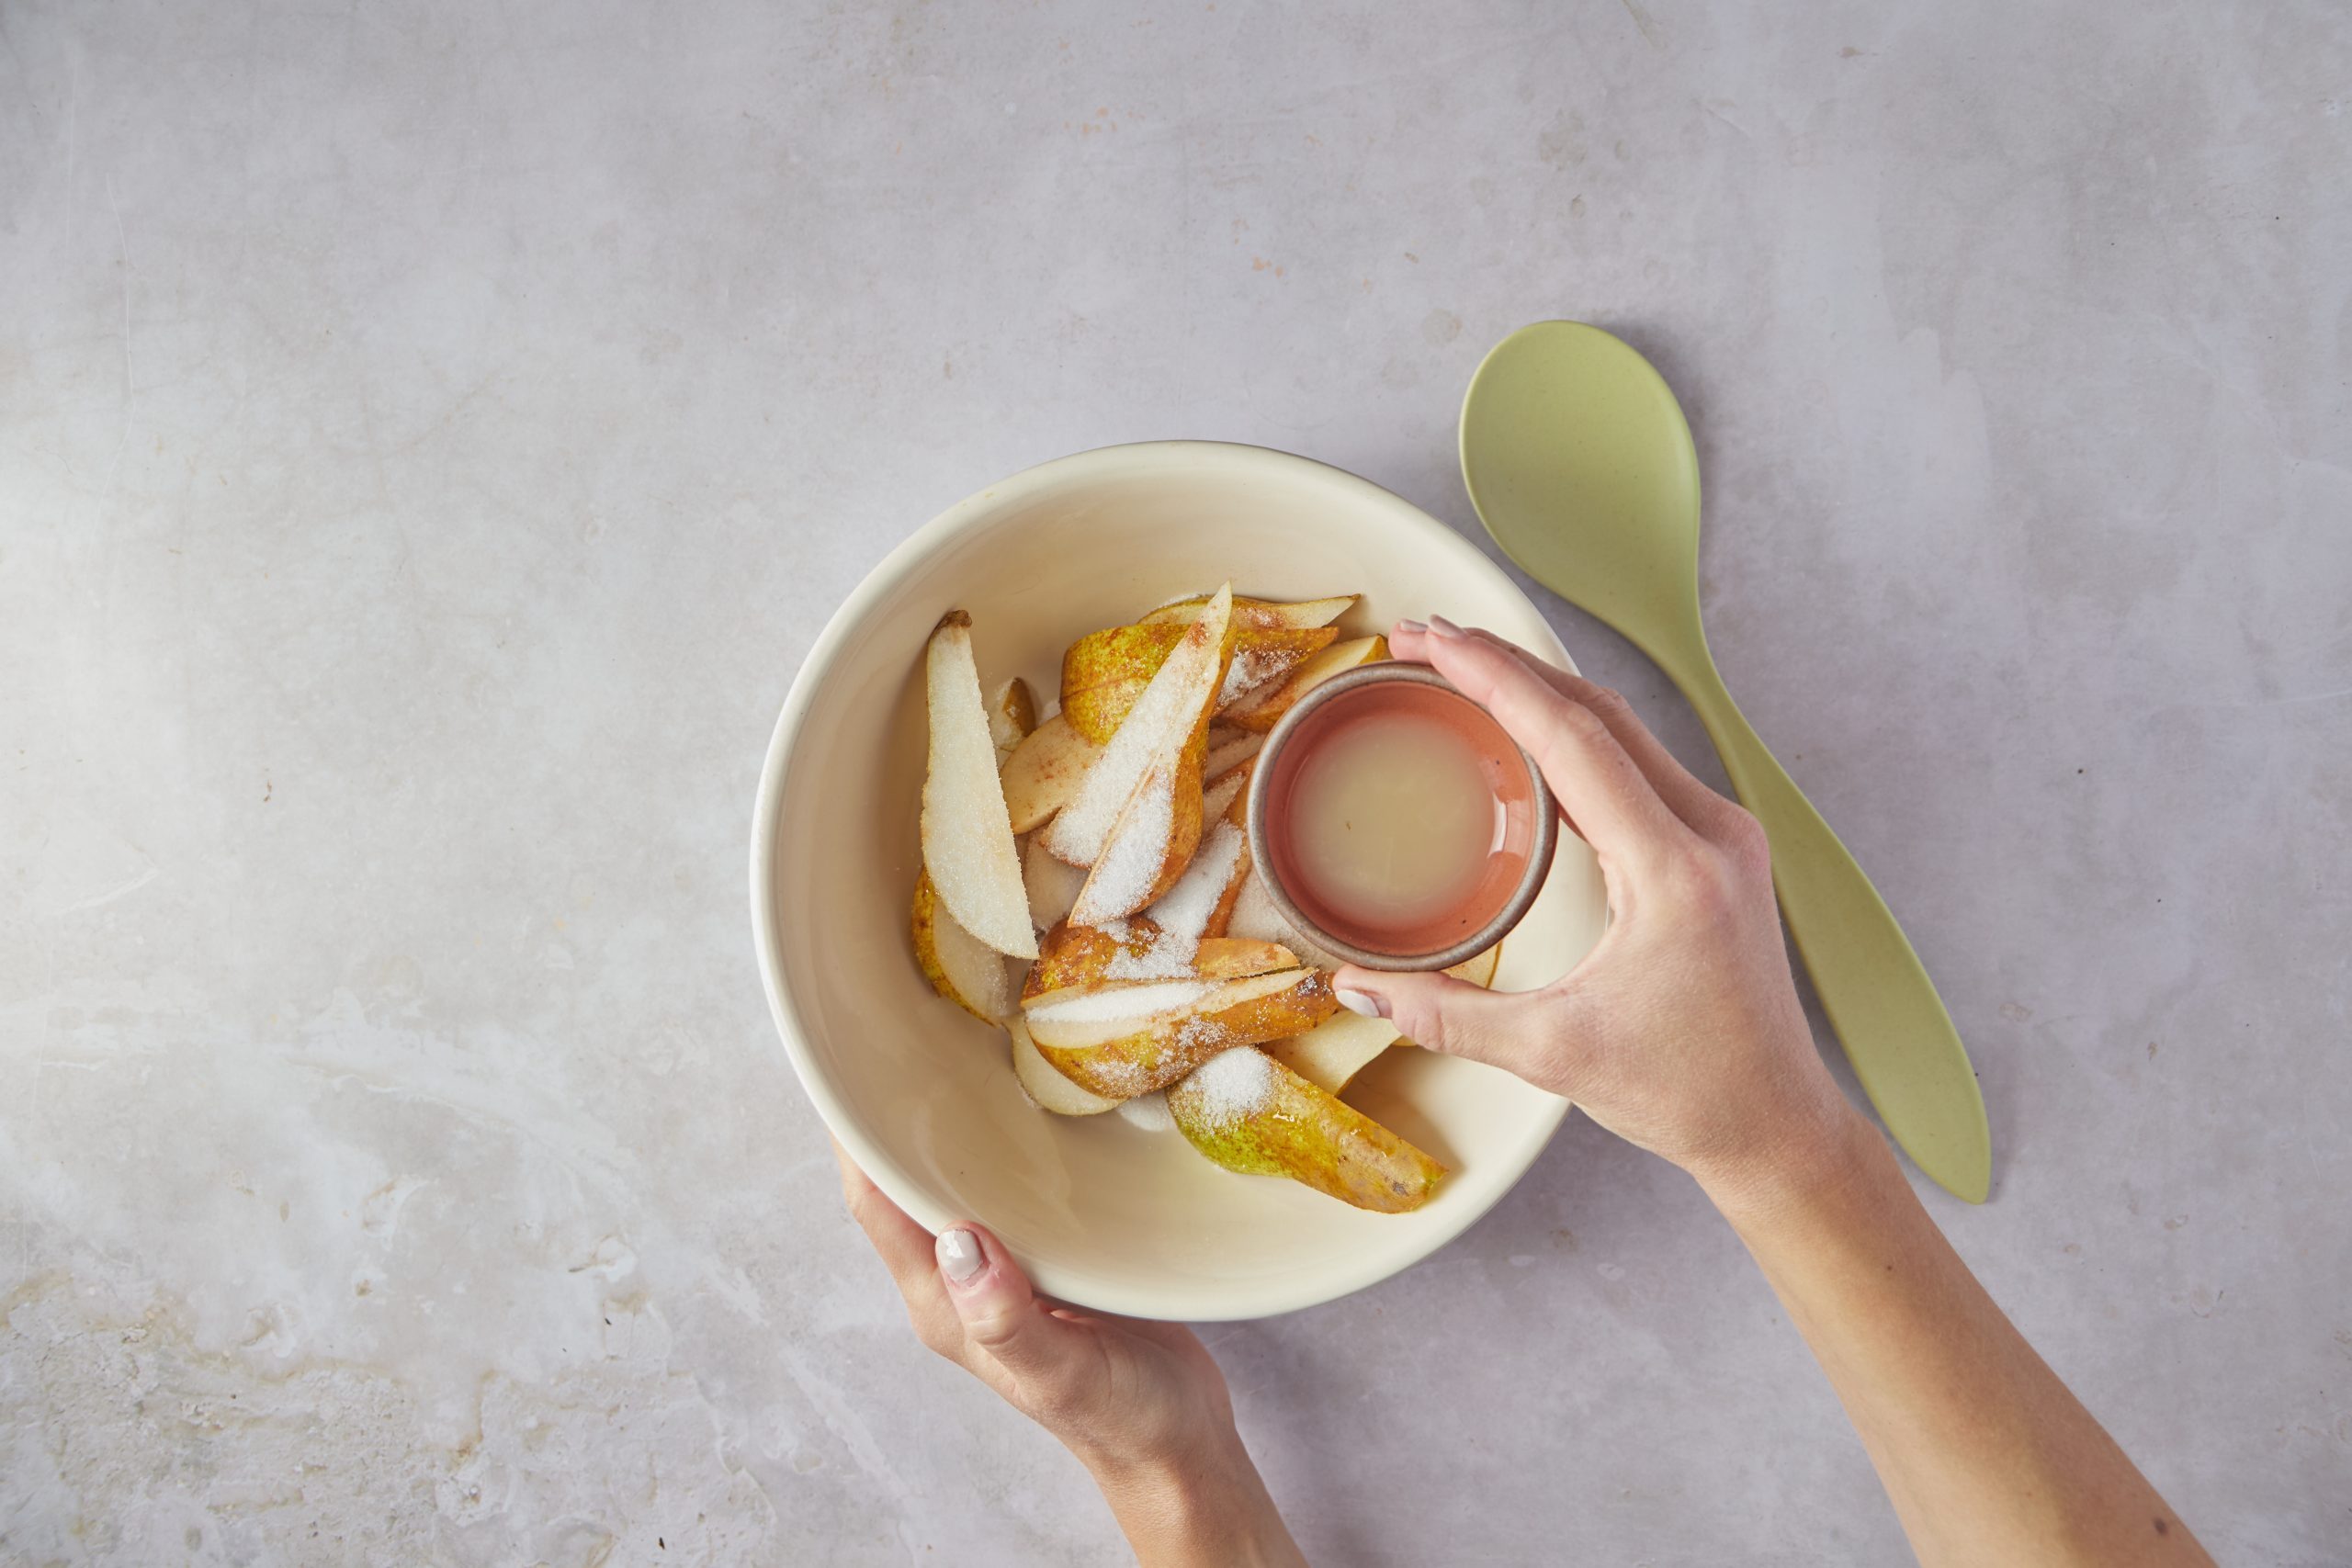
(1527, 825)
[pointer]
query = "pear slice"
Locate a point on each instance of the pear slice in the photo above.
(1332, 1053)
(1260, 656)
(1254, 915)
(1045, 1086)
(1218, 795)
(1479, 968)
(1053, 887)
(1250, 1113)
(1081, 1016)
(1075, 959)
(1203, 898)
(1148, 1112)
(1105, 672)
(1335, 1050)
(1137, 817)
(1013, 714)
(1168, 721)
(1149, 844)
(959, 965)
(1228, 749)
(1044, 773)
(1223, 734)
(967, 846)
(1139, 1038)
(1263, 613)
(1259, 710)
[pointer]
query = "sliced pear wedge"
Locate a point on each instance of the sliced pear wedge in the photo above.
(1260, 657)
(1166, 722)
(1045, 1086)
(1137, 818)
(1053, 887)
(1228, 749)
(1044, 773)
(1335, 1050)
(1218, 795)
(967, 846)
(1254, 915)
(1203, 898)
(1105, 672)
(959, 965)
(1133, 1041)
(1013, 714)
(1250, 1113)
(1332, 1053)
(1479, 969)
(1259, 710)
(1073, 959)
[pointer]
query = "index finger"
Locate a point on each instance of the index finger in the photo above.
(1612, 802)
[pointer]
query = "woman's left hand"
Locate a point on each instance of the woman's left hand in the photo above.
(1118, 1392)
(1141, 1404)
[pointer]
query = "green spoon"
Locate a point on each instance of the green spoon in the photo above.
(1579, 463)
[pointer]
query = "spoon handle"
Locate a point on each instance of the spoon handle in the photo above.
(1877, 994)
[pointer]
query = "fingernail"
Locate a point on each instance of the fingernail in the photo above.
(959, 1255)
(1362, 1002)
(1416, 627)
(1441, 626)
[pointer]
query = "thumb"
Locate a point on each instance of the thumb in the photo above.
(1433, 1009)
(1000, 1314)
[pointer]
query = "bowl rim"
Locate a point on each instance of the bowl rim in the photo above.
(1075, 1284)
(1462, 949)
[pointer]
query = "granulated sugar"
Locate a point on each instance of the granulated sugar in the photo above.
(1117, 1077)
(1182, 913)
(1230, 1085)
(1252, 668)
(1197, 1034)
(1133, 856)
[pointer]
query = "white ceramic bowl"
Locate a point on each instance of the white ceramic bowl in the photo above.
(1099, 1211)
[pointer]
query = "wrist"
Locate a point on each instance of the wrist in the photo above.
(1201, 1504)
(1173, 1474)
(1826, 1153)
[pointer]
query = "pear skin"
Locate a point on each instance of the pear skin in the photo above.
(959, 965)
(1247, 1113)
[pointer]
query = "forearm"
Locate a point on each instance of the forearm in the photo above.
(1985, 1454)
(1211, 1511)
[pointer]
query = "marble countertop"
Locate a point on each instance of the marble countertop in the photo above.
(430, 435)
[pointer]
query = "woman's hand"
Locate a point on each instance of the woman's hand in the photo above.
(1681, 1031)
(1141, 1404)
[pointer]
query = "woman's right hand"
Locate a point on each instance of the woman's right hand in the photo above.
(1681, 1031)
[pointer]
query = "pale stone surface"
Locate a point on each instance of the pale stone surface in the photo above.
(430, 437)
